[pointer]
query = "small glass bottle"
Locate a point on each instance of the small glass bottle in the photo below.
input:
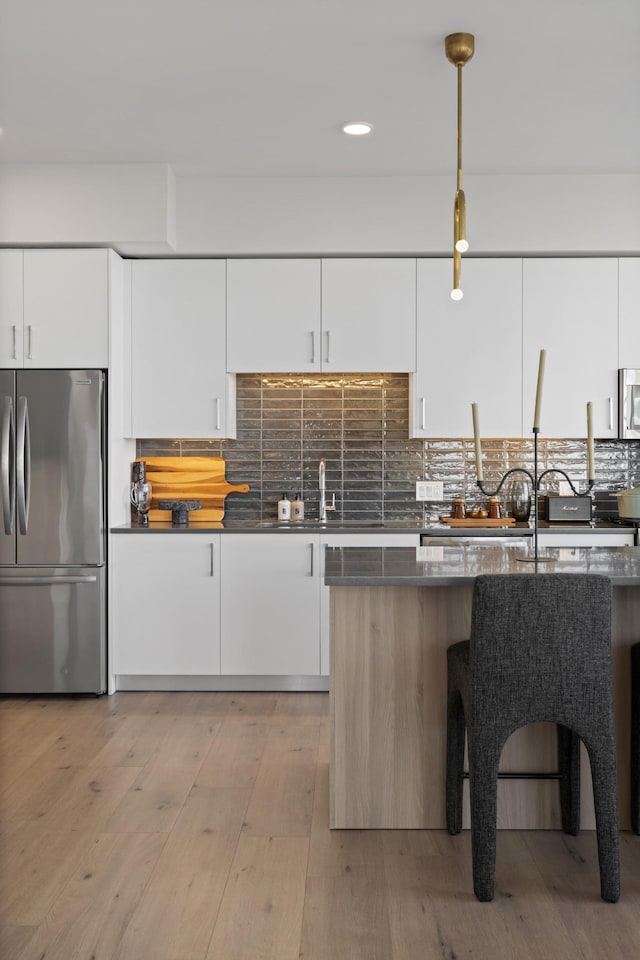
(521, 500)
(140, 493)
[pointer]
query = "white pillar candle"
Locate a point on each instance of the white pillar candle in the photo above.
(476, 437)
(591, 466)
(536, 415)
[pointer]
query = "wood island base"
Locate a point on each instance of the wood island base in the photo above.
(388, 693)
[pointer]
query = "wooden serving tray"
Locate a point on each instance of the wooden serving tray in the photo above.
(190, 478)
(478, 522)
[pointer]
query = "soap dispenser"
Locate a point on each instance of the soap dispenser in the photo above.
(297, 507)
(284, 507)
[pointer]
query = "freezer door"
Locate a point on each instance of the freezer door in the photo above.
(52, 630)
(7, 467)
(59, 467)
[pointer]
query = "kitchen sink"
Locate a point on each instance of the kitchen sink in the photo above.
(316, 525)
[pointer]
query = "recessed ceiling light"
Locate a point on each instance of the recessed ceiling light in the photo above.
(357, 128)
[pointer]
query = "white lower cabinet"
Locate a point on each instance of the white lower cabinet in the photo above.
(197, 605)
(165, 608)
(270, 622)
(584, 538)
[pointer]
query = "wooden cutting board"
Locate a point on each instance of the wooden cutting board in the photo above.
(190, 478)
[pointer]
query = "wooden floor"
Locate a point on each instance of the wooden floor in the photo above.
(185, 826)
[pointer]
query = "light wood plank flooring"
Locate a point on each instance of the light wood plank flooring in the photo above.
(194, 826)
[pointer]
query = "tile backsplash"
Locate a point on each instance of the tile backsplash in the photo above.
(359, 424)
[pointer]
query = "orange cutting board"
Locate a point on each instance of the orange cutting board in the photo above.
(190, 478)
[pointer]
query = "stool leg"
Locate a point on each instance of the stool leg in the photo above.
(569, 766)
(605, 798)
(484, 760)
(456, 730)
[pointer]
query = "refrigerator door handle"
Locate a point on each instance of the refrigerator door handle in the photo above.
(23, 465)
(7, 433)
(43, 581)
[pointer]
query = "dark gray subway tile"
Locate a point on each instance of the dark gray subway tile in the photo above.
(359, 424)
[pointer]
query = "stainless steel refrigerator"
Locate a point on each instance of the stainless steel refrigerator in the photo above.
(52, 531)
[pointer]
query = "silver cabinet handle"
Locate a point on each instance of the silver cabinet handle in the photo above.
(423, 413)
(313, 346)
(212, 568)
(14, 355)
(7, 433)
(311, 565)
(328, 336)
(42, 581)
(610, 413)
(217, 413)
(23, 465)
(29, 357)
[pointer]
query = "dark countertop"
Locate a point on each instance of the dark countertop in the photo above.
(273, 526)
(371, 526)
(459, 565)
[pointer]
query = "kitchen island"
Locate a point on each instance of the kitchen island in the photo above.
(394, 612)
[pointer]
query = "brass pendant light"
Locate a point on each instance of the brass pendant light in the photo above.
(459, 48)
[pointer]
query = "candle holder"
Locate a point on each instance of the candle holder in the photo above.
(536, 481)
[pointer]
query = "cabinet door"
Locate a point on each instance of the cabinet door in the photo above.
(568, 540)
(179, 385)
(66, 308)
(11, 308)
(629, 312)
(166, 604)
(273, 316)
(570, 308)
(469, 350)
(369, 315)
(270, 621)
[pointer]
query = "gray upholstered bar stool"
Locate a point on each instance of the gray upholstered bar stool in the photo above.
(539, 650)
(635, 738)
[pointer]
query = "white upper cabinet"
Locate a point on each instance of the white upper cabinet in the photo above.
(11, 308)
(336, 316)
(570, 308)
(54, 308)
(179, 384)
(469, 350)
(629, 312)
(369, 315)
(273, 316)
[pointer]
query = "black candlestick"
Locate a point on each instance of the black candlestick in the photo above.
(536, 480)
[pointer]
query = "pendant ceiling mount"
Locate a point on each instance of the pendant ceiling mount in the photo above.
(459, 48)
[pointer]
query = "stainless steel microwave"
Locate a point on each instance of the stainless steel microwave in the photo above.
(629, 404)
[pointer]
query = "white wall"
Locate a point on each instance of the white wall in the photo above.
(125, 206)
(141, 209)
(407, 215)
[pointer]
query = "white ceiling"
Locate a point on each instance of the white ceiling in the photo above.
(260, 87)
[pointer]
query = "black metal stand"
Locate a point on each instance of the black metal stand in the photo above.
(536, 480)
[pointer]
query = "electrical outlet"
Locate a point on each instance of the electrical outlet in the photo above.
(429, 554)
(564, 488)
(429, 490)
(566, 554)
